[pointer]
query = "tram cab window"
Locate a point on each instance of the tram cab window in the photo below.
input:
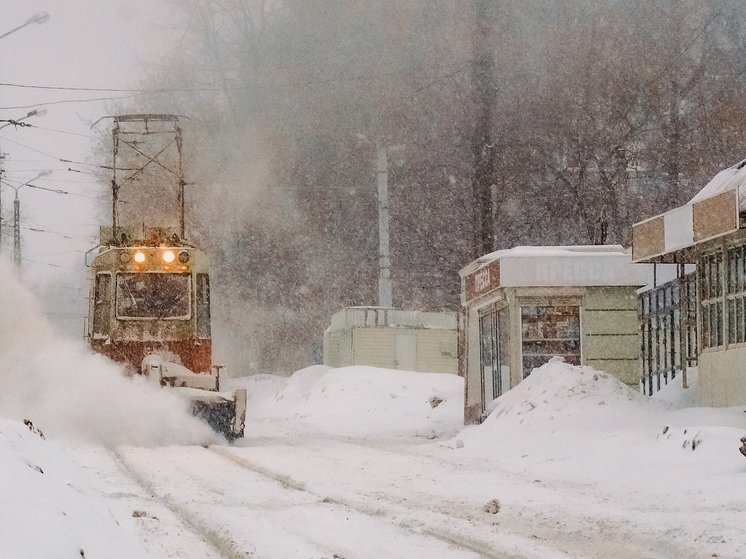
(203, 306)
(101, 305)
(153, 295)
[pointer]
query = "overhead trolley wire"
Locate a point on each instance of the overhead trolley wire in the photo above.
(55, 190)
(207, 88)
(69, 161)
(63, 101)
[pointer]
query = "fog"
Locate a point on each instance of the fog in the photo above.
(505, 122)
(69, 392)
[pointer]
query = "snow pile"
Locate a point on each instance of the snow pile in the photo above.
(579, 423)
(66, 390)
(575, 397)
(675, 394)
(47, 511)
(359, 401)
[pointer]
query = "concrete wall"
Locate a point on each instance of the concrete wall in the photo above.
(393, 339)
(610, 331)
(373, 346)
(722, 377)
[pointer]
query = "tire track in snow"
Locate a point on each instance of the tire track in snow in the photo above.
(624, 540)
(621, 543)
(482, 548)
(336, 540)
(224, 546)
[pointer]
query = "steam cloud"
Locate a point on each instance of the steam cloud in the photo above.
(68, 391)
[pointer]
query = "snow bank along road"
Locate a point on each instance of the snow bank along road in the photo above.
(355, 463)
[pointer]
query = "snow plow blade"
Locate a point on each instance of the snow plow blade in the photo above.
(224, 412)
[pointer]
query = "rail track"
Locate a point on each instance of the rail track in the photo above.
(381, 507)
(535, 533)
(308, 523)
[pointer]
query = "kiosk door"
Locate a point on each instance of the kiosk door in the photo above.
(494, 331)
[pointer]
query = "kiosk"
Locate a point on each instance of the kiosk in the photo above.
(526, 305)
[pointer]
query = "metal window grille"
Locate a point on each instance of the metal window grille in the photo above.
(668, 331)
(736, 295)
(711, 295)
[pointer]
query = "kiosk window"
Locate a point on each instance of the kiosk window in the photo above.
(494, 328)
(549, 331)
(736, 295)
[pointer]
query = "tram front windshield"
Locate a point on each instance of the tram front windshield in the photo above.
(153, 295)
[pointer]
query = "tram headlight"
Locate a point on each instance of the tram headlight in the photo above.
(124, 257)
(169, 256)
(139, 257)
(183, 257)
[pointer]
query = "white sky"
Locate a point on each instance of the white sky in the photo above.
(88, 44)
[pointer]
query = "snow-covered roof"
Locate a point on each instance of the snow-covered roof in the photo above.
(727, 179)
(552, 266)
(371, 317)
(572, 251)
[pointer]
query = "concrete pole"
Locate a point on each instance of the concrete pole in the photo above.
(17, 230)
(2, 170)
(384, 260)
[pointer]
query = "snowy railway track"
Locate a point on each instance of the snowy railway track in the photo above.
(265, 506)
(383, 507)
(531, 531)
(224, 546)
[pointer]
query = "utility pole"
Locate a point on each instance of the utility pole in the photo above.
(15, 122)
(483, 141)
(17, 216)
(384, 259)
(17, 230)
(2, 170)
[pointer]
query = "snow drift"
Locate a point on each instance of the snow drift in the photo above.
(68, 391)
(359, 402)
(579, 423)
(47, 510)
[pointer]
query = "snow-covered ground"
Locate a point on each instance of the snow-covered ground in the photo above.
(357, 462)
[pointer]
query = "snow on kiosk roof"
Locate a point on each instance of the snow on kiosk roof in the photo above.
(551, 266)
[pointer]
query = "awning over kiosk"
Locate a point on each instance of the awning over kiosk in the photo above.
(658, 238)
(712, 213)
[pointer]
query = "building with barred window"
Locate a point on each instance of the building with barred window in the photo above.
(708, 317)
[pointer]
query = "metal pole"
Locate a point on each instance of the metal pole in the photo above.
(114, 185)
(182, 183)
(16, 29)
(17, 217)
(384, 261)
